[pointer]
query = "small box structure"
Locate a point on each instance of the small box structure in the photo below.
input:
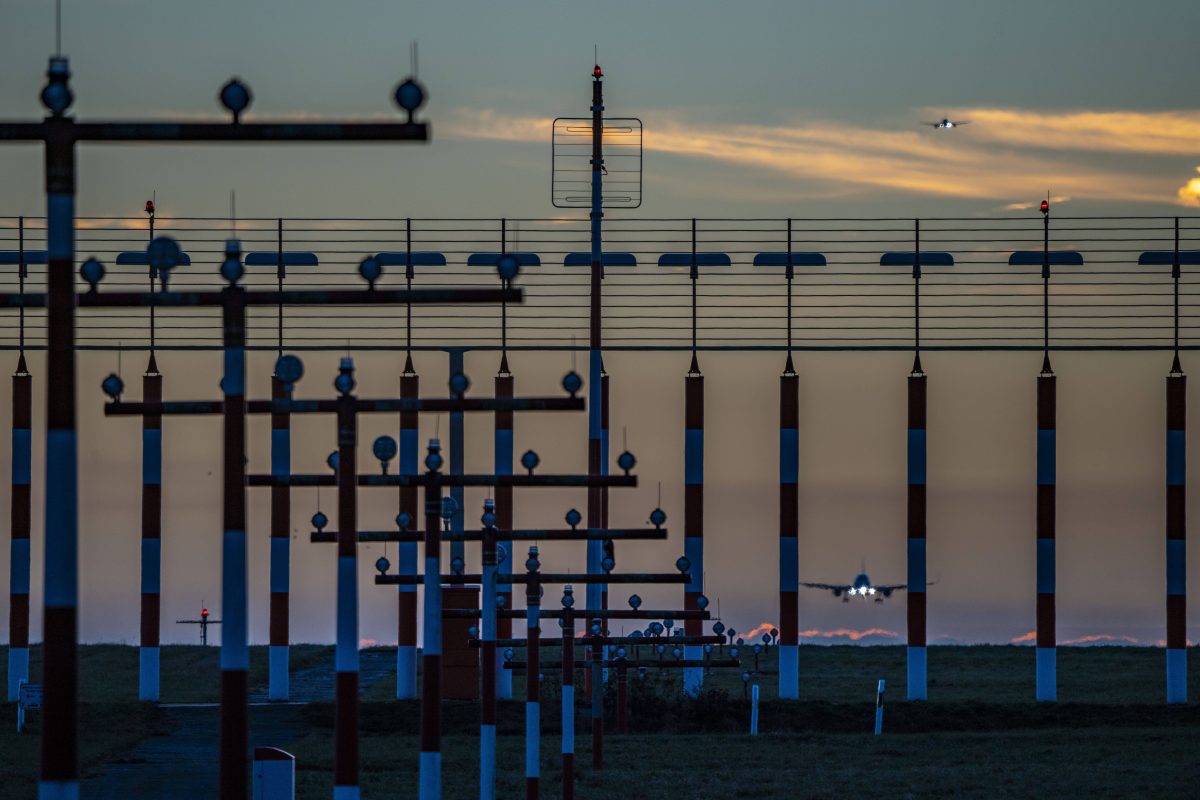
(274, 774)
(460, 661)
(29, 696)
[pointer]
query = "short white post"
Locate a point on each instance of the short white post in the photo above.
(879, 709)
(274, 774)
(754, 710)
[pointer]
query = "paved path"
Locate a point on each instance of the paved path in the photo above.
(183, 763)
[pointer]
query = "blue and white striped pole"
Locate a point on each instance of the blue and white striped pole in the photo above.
(431, 658)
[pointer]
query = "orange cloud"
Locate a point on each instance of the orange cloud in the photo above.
(841, 157)
(1101, 638)
(1147, 133)
(1189, 193)
(756, 633)
(1024, 638)
(848, 633)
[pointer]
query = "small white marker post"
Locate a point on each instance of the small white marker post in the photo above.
(879, 708)
(754, 710)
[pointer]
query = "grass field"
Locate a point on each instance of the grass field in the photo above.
(980, 735)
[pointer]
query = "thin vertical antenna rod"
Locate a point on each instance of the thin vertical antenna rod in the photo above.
(279, 273)
(21, 270)
(58, 28)
(504, 305)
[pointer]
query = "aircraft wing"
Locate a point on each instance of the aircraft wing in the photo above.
(829, 587)
(964, 122)
(932, 124)
(890, 587)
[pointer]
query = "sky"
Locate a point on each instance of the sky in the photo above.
(763, 109)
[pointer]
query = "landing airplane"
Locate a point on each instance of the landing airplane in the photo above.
(946, 124)
(861, 587)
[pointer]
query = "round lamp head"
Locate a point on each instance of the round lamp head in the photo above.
(382, 564)
(626, 461)
(572, 383)
(574, 518)
(409, 96)
(635, 601)
(370, 269)
(459, 383)
(235, 96)
(530, 460)
(384, 448)
(658, 517)
(319, 520)
(92, 272)
(289, 369)
(113, 386)
(508, 266)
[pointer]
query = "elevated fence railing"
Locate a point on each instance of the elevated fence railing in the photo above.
(981, 302)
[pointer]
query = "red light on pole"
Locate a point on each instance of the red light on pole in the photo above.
(1045, 206)
(150, 207)
(597, 72)
(204, 613)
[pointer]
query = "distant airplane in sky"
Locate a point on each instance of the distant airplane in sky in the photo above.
(861, 587)
(946, 124)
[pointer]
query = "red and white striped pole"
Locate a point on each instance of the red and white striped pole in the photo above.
(235, 650)
(278, 683)
(346, 758)
(789, 507)
(918, 389)
(148, 655)
(1177, 687)
(1047, 672)
(693, 515)
(59, 779)
(693, 497)
(431, 658)
(789, 529)
(406, 634)
(487, 656)
(503, 465)
(568, 694)
(18, 566)
(533, 705)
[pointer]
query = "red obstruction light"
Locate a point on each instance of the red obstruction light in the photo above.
(597, 72)
(149, 206)
(1045, 206)
(204, 612)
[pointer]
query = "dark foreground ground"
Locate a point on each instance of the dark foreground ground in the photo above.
(980, 735)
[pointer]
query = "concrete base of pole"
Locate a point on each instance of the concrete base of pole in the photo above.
(406, 672)
(503, 679)
(431, 776)
(1177, 688)
(568, 719)
(693, 677)
(58, 790)
(1047, 674)
(533, 745)
(278, 683)
(754, 710)
(917, 682)
(487, 762)
(274, 775)
(148, 674)
(18, 670)
(789, 672)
